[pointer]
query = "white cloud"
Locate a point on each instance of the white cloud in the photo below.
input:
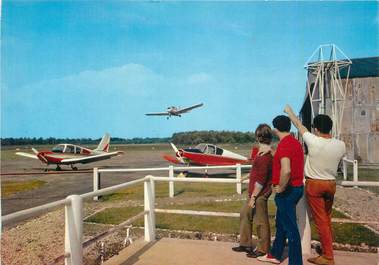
(94, 101)
(199, 78)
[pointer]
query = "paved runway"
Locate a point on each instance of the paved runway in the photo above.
(60, 185)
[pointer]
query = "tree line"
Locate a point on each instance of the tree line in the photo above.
(214, 137)
(186, 138)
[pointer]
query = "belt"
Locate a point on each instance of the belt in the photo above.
(308, 178)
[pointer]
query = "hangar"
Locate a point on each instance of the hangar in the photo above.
(348, 91)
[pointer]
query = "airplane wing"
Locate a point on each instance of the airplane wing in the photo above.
(189, 108)
(27, 155)
(157, 114)
(89, 159)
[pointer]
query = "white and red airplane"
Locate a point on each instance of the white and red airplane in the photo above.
(69, 154)
(174, 111)
(205, 155)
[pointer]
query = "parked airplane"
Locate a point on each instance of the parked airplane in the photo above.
(205, 154)
(69, 154)
(174, 111)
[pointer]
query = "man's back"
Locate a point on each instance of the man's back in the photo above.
(324, 155)
(291, 148)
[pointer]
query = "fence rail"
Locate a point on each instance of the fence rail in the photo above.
(171, 174)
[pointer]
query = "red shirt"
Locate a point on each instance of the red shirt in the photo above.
(291, 148)
(260, 172)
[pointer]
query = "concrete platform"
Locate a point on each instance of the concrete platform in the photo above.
(168, 251)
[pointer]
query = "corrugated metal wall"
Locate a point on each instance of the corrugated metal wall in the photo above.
(360, 126)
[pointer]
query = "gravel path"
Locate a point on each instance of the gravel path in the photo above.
(359, 204)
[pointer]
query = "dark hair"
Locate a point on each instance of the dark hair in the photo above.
(323, 123)
(282, 123)
(263, 134)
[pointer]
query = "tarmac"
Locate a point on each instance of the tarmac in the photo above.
(169, 251)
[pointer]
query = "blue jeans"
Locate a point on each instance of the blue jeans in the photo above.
(286, 225)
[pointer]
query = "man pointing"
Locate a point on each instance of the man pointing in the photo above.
(320, 170)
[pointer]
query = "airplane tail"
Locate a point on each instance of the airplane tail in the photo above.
(104, 143)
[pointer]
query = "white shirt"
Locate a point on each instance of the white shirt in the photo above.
(323, 156)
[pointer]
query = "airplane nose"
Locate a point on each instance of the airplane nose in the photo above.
(179, 153)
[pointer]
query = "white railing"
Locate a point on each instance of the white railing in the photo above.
(73, 219)
(355, 181)
(74, 214)
(171, 174)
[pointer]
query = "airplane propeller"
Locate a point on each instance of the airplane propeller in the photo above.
(39, 155)
(178, 153)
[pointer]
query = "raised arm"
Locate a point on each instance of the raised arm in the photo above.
(295, 120)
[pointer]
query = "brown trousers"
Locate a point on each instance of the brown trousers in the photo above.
(320, 196)
(260, 218)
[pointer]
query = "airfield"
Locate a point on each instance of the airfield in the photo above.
(60, 184)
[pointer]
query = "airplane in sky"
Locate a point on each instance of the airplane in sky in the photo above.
(205, 155)
(69, 154)
(174, 111)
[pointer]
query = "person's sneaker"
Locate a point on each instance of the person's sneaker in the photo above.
(255, 254)
(321, 260)
(242, 249)
(268, 258)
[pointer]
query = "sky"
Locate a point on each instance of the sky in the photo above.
(82, 68)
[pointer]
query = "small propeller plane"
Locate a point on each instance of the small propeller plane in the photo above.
(205, 155)
(69, 154)
(174, 111)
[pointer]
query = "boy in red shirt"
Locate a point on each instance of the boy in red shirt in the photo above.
(255, 208)
(287, 181)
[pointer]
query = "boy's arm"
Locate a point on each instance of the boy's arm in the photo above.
(257, 189)
(285, 173)
(295, 120)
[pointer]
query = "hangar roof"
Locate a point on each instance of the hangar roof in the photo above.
(362, 67)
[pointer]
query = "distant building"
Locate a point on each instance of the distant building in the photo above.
(360, 120)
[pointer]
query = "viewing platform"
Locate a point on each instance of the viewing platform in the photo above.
(169, 251)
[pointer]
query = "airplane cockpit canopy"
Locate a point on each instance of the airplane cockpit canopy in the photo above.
(70, 149)
(66, 148)
(58, 148)
(201, 147)
(209, 149)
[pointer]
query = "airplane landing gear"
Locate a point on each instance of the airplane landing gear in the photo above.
(58, 168)
(73, 167)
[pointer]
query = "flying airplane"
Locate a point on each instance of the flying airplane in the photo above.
(205, 155)
(69, 154)
(174, 111)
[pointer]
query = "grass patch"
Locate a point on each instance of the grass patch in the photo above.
(114, 216)
(181, 190)
(11, 187)
(338, 214)
(353, 234)
(344, 233)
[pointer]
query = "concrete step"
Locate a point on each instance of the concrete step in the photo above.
(169, 251)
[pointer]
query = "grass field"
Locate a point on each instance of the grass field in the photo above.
(11, 187)
(344, 233)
